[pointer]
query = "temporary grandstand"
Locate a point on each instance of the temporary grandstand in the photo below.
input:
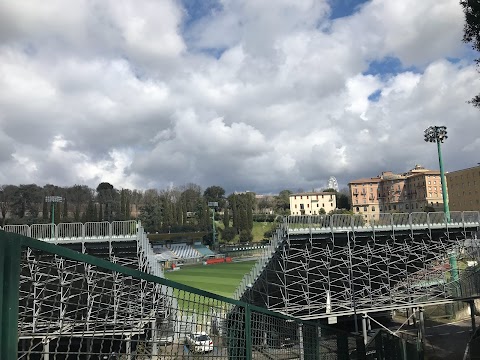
(116, 303)
(59, 302)
(325, 267)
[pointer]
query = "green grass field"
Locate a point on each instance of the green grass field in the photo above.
(221, 279)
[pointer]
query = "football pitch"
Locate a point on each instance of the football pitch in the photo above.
(221, 279)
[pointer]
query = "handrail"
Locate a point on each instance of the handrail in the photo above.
(77, 231)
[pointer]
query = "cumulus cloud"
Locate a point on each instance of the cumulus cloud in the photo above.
(248, 95)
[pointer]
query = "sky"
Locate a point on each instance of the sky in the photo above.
(254, 95)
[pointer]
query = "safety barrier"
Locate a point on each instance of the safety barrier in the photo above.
(386, 222)
(77, 231)
(56, 303)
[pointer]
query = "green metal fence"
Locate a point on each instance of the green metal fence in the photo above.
(56, 303)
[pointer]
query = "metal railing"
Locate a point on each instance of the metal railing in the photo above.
(56, 303)
(385, 222)
(77, 231)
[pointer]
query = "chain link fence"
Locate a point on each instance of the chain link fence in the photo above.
(60, 304)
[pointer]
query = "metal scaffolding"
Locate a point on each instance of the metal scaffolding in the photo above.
(330, 266)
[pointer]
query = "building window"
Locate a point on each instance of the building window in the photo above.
(301, 197)
(358, 209)
(295, 197)
(317, 204)
(323, 205)
(373, 208)
(365, 208)
(295, 206)
(308, 205)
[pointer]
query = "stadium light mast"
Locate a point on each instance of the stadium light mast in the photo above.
(213, 205)
(53, 200)
(438, 134)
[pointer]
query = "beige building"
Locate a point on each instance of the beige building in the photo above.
(464, 189)
(412, 191)
(310, 203)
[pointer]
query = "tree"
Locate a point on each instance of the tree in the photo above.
(330, 190)
(343, 199)
(226, 218)
(90, 213)
(27, 200)
(215, 194)
(80, 196)
(471, 9)
(282, 202)
(6, 200)
(228, 234)
(106, 195)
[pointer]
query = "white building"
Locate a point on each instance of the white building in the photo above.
(311, 203)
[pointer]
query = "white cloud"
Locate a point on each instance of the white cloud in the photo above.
(114, 91)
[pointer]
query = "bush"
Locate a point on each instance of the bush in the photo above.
(264, 217)
(229, 233)
(246, 236)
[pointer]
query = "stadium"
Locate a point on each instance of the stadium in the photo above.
(98, 290)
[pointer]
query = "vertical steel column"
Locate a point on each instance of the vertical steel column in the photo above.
(352, 284)
(364, 328)
(154, 340)
(46, 349)
(422, 327)
(300, 335)
(10, 253)
(248, 332)
(472, 314)
(128, 349)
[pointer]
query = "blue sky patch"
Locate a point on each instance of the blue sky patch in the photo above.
(388, 66)
(375, 96)
(342, 8)
(197, 9)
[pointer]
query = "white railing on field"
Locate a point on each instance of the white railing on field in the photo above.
(77, 231)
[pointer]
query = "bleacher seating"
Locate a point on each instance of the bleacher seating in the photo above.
(202, 249)
(163, 253)
(185, 251)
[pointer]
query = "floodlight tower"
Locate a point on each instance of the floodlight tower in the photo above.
(438, 134)
(53, 200)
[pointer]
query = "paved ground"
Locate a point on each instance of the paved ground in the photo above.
(445, 340)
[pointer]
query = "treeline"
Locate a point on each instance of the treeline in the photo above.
(177, 209)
